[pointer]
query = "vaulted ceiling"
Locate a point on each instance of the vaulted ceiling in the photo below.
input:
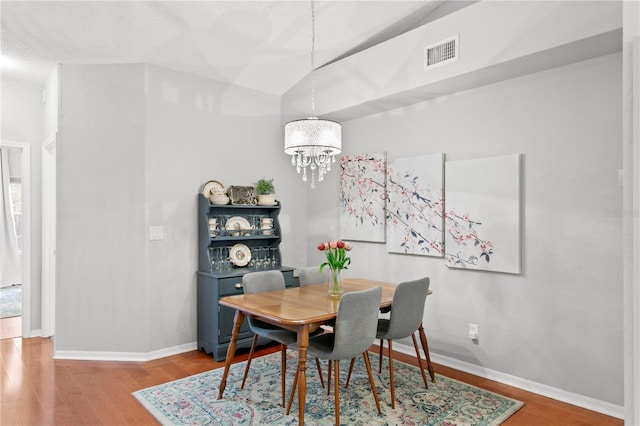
(263, 45)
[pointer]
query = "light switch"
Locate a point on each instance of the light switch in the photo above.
(156, 233)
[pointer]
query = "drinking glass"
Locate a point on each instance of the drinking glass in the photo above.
(254, 257)
(214, 258)
(254, 221)
(264, 257)
(222, 221)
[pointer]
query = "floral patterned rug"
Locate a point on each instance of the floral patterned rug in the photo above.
(193, 400)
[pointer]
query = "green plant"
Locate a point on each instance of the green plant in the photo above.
(265, 186)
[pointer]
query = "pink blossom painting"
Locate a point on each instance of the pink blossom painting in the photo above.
(415, 205)
(362, 197)
(482, 214)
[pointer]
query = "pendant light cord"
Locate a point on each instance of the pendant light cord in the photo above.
(313, 48)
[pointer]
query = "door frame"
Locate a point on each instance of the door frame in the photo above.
(25, 149)
(48, 237)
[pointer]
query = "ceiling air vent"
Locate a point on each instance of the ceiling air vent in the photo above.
(442, 52)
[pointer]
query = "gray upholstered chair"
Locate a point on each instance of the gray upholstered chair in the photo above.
(407, 310)
(256, 282)
(312, 275)
(354, 332)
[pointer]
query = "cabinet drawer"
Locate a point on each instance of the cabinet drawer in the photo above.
(230, 286)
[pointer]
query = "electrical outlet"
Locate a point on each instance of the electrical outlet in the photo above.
(473, 331)
(156, 233)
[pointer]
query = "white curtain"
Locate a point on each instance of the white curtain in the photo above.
(9, 259)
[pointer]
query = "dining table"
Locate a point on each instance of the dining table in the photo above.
(302, 310)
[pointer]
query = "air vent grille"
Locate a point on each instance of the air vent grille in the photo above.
(442, 52)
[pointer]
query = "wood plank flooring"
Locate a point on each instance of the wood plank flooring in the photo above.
(10, 327)
(37, 390)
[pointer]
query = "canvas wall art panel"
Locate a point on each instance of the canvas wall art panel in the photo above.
(482, 214)
(362, 197)
(415, 206)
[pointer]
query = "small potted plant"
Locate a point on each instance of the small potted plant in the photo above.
(265, 192)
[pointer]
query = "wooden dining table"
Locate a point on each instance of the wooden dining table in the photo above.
(302, 310)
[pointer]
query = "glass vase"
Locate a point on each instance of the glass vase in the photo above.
(335, 283)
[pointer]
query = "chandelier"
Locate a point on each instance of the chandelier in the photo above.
(312, 142)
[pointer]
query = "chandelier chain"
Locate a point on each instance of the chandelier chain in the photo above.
(313, 48)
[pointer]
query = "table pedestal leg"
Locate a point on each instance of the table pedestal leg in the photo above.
(231, 350)
(425, 348)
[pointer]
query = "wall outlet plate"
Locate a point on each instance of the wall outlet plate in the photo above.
(473, 331)
(156, 233)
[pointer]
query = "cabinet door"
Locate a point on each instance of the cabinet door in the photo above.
(226, 316)
(227, 287)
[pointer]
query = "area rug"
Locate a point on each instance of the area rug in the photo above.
(11, 301)
(193, 400)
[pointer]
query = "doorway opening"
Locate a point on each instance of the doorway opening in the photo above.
(15, 172)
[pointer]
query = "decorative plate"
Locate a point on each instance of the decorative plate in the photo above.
(237, 223)
(240, 255)
(213, 187)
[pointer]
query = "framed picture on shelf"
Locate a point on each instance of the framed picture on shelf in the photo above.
(242, 195)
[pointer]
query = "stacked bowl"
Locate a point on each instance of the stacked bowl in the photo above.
(266, 225)
(218, 198)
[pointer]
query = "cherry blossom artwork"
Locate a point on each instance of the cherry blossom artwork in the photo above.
(362, 197)
(482, 214)
(415, 206)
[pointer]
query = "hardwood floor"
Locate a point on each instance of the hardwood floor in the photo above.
(10, 327)
(37, 390)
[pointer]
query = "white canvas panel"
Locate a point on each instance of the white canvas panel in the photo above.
(415, 205)
(362, 197)
(482, 220)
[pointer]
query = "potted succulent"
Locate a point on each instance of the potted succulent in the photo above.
(265, 191)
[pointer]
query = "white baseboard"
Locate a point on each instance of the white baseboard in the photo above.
(520, 383)
(125, 356)
(35, 333)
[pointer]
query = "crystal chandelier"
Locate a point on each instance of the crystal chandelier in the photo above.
(312, 142)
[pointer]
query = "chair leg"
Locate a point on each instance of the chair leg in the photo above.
(329, 378)
(353, 360)
(380, 356)
(391, 378)
(371, 382)
(293, 392)
(283, 371)
(425, 347)
(337, 390)
(420, 363)
(246, 369)
(320, 372)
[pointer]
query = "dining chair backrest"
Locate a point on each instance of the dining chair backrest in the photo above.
(312, 275)
(257, 282)
(407, 308)
(356, 322)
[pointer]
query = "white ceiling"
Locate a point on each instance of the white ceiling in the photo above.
(264, 45)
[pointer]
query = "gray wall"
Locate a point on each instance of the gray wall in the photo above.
(101, 295)
(135, 145)
(559, 323)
